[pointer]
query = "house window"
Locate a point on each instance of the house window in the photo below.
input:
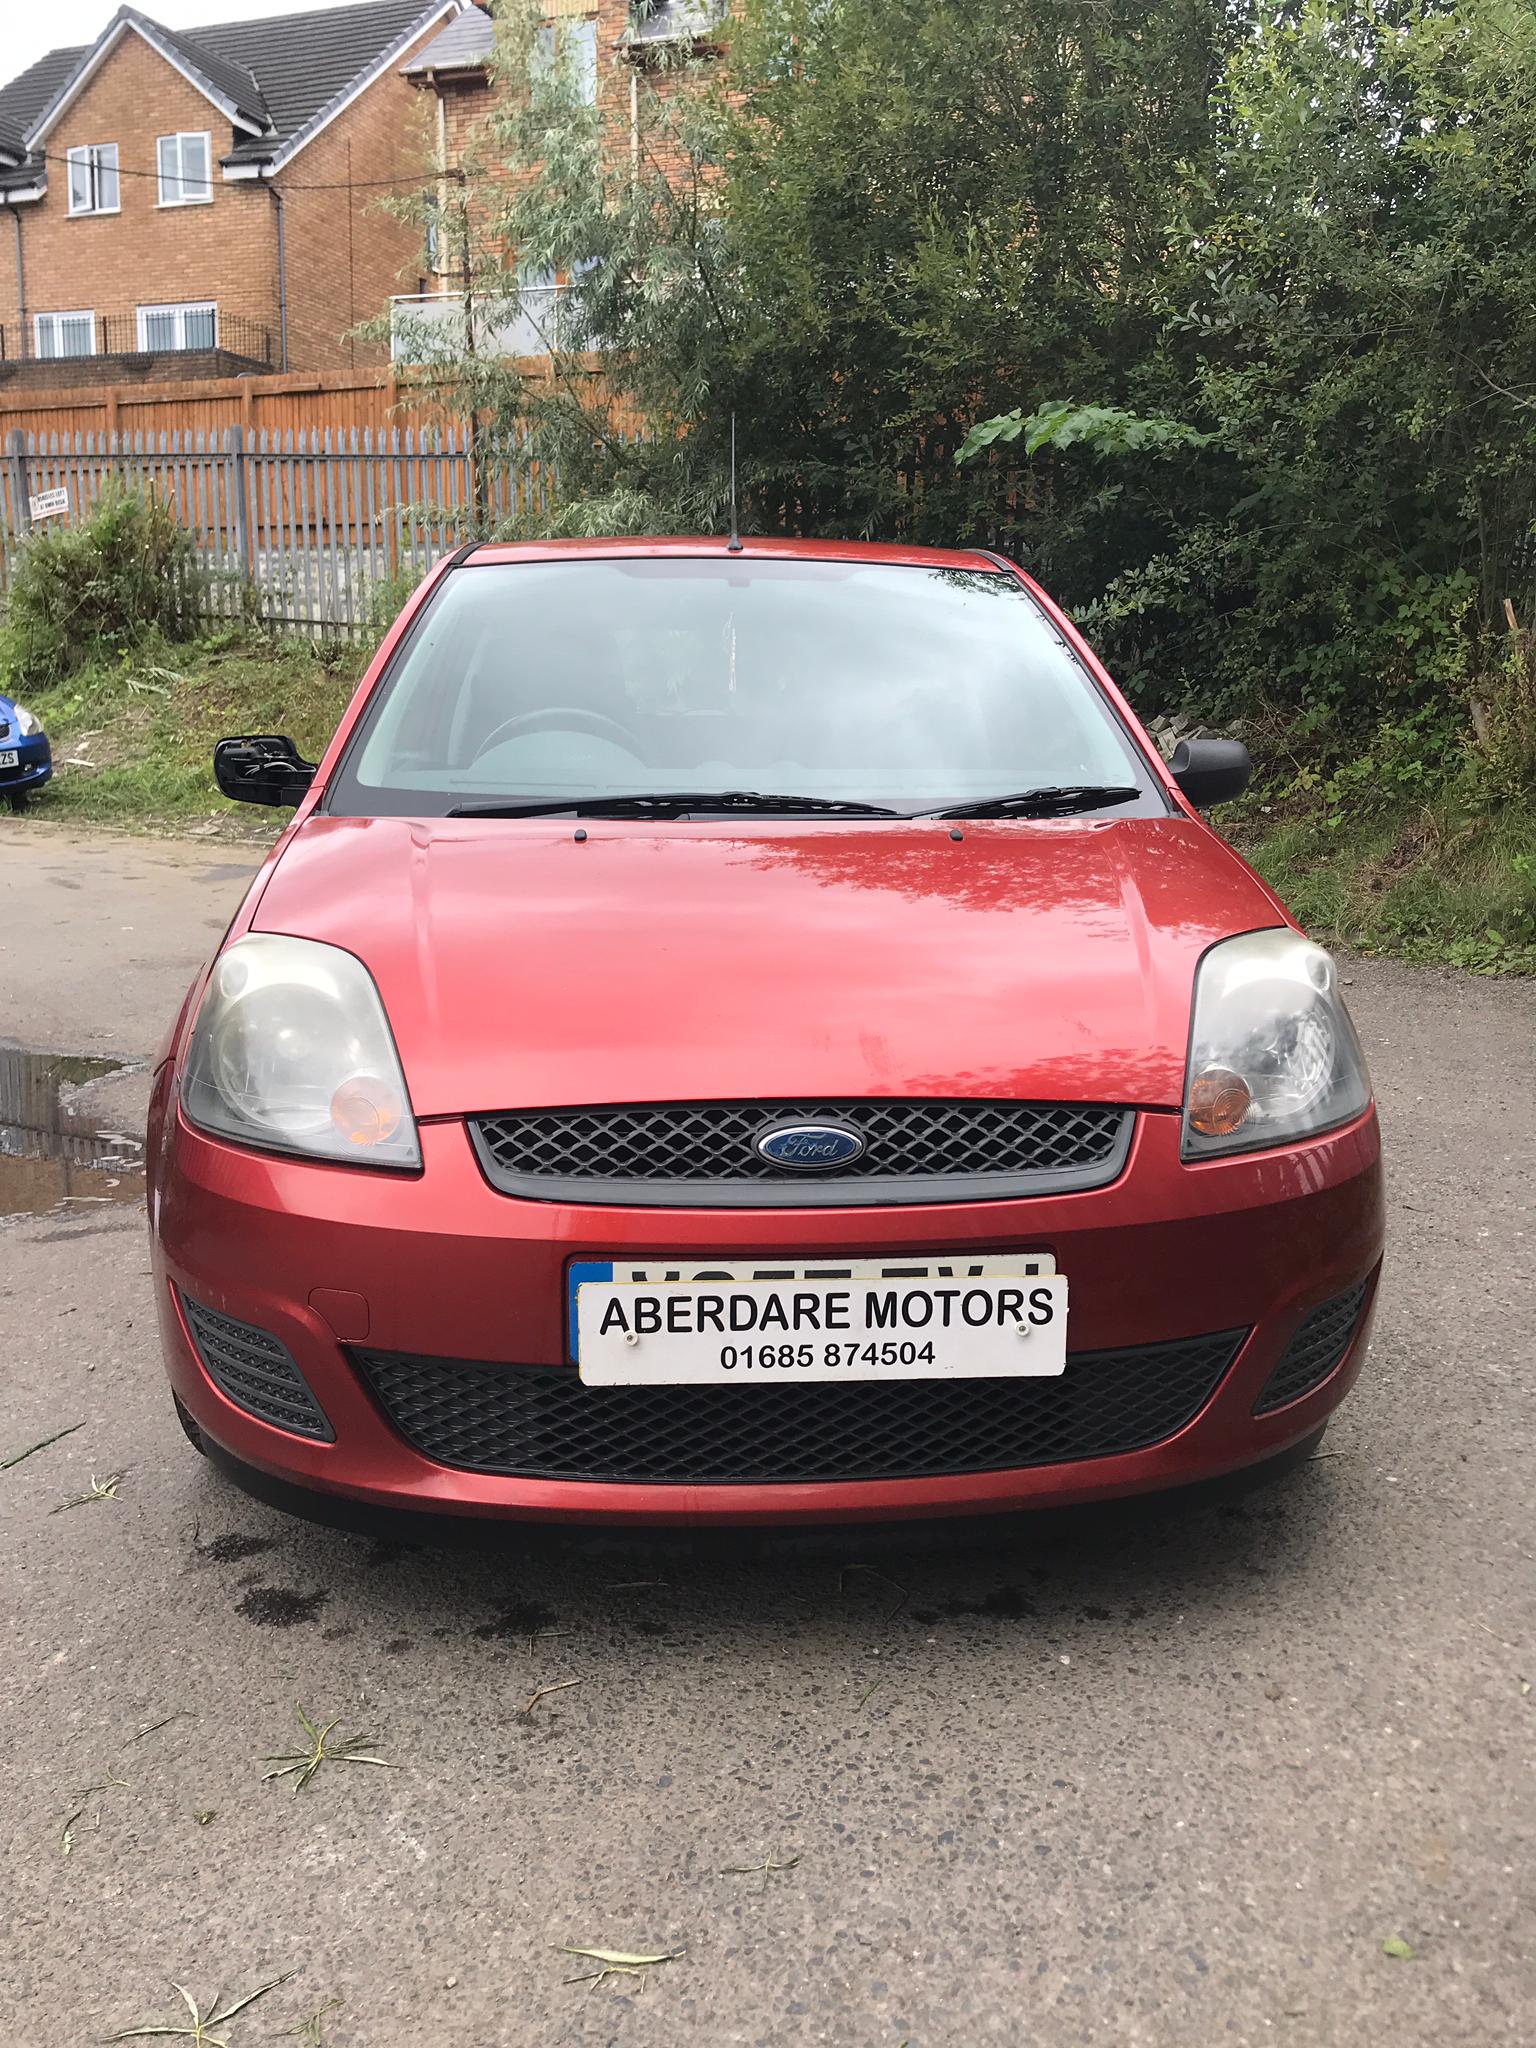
(185, 179)
(179, 327)
(64, 334)
(93, 178)
(573, 45)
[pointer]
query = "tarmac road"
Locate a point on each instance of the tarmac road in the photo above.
(1171, 1776)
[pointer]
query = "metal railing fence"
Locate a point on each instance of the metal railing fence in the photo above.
(309, 531)
(89, 336)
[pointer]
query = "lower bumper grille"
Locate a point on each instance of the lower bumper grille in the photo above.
(540, 1422)
(1316, 1350)
(255, 1371)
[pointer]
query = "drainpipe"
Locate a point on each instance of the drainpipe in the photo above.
(282, 282)
(435, 265)
(21, 285)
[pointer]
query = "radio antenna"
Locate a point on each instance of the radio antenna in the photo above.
(734, 543)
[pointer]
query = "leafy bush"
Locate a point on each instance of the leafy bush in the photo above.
(126, 572)
(387, 599)
(1504, 719)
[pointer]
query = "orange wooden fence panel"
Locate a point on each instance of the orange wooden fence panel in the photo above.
(277, 404)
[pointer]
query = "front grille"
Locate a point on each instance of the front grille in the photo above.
(1316, 1349)
(255, 1371)
(540, 1422)
(705, 1152)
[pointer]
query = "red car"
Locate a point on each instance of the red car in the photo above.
(753, 1033)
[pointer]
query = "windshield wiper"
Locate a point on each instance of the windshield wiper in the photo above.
(672, 803)
(1060, 802)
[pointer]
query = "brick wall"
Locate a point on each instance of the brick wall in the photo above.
(346, 256)
(19, 380)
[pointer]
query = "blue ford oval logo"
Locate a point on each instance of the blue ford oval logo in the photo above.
(809, 1145)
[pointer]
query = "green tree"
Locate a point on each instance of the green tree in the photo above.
(1235, 311)
(1354, 313)
(875, 221)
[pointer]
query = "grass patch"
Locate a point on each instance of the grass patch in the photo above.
(133, 734)
(1427, 880)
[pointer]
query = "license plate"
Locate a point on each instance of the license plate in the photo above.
(10, 758)
(739, 1324)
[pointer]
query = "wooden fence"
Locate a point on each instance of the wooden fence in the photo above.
(282, 403)
(300, 529)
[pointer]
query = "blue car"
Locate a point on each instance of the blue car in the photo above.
(26, 760)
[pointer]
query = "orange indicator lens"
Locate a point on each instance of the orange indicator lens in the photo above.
(366, 1110)
(1218, 1102)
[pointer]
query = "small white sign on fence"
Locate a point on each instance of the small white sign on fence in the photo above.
(48, 504)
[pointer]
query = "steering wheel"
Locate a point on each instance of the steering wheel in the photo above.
(560, 718)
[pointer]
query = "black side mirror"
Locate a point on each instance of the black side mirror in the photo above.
(261, 770)
(1211, 771)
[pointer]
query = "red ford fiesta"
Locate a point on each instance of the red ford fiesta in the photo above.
(753, 1035)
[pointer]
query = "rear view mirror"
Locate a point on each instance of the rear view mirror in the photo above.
(261, 770)
(1211, 771)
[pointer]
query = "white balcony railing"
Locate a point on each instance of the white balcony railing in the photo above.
(432, 326)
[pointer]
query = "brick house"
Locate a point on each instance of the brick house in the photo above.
(206, 201)
(619, 49)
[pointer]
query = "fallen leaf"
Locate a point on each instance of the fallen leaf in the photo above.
(100, 1489)
(301, 1765)
(620, 1959)
(1398, 1949)
(216, 2015)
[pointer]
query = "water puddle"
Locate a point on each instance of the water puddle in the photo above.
(65, 1143)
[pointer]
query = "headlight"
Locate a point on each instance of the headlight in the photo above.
(292, 1052)
(1272, 1055)
(28, 724)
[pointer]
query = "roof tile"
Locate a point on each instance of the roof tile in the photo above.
(464, 45)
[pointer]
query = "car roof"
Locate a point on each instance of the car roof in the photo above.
(749, 549)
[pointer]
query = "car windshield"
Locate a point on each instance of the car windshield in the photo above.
(905, 687)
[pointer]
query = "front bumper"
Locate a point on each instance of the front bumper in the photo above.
(34, 767)
(442, 1266)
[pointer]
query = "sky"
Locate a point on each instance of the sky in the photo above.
(28, 28)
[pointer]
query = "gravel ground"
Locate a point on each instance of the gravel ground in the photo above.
(1172, 1775)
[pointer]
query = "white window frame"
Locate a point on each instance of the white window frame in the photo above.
(178, 181)
(40, 320)
(178, 311)
(553, 45)
(98, 157)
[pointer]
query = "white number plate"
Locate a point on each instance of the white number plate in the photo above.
(736, 1324)
(10, 758)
